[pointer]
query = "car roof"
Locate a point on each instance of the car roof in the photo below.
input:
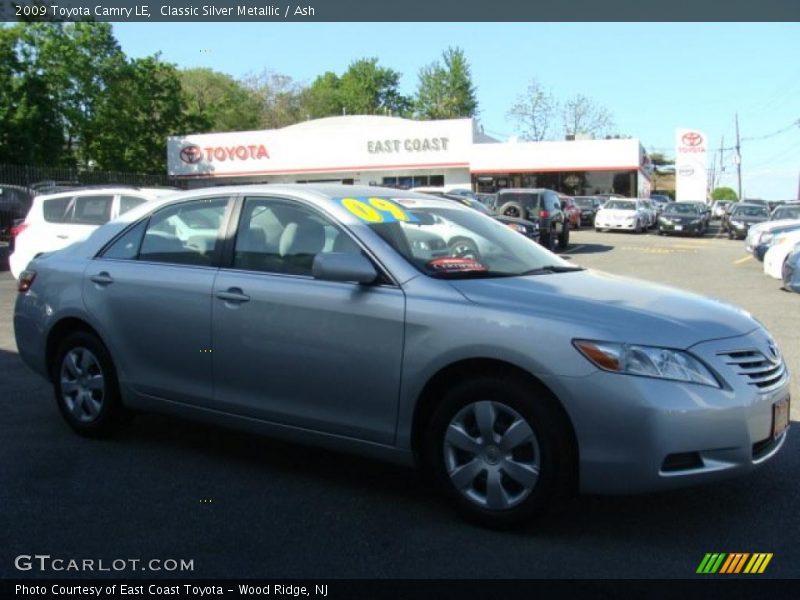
(94, 191)
(525, 190)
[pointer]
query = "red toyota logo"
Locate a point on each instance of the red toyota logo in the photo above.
(691, 138)
(191, 154)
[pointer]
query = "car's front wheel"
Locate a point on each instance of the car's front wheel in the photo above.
(497, 448)
(86, 387)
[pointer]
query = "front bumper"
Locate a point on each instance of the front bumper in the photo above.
(615, 225)
(684, 227)
(629, 428)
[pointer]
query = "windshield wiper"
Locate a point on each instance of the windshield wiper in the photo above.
(552, 269)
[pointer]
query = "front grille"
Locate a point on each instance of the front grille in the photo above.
(758, 370)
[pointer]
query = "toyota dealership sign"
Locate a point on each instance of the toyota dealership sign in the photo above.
(691, 154)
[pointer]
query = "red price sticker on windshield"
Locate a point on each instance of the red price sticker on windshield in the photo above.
(455, 265)
(372, 209)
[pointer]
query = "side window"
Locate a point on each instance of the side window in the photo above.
(279, 236)
(56, 210)
(128, 202)
(92, 210)
(184, 234)
(126, 247)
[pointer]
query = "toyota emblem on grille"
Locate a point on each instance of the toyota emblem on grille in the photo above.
(773, 351)
(191, 154)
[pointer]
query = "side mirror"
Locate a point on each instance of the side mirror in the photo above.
(341, 266)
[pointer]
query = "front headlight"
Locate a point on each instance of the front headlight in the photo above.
(518, 227)
(696, 222)
(665, 220)
(419, 245)
(766, 238)
(647, 361)
(630, 219)
(737, 223)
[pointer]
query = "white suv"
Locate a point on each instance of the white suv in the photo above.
(57, 220)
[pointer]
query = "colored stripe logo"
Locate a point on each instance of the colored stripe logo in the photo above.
(734, 563)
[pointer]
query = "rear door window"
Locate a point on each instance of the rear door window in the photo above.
(57, 210)
(92, 210)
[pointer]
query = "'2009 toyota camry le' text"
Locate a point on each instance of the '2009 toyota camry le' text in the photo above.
(403, 327)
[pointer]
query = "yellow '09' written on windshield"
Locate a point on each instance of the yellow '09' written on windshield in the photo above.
(372, 209)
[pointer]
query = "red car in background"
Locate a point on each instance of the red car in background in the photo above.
(572, 211)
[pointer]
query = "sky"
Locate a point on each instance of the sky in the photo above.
(652, 77)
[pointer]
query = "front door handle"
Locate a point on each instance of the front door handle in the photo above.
(63, 237)
(233, 295)
(102, 278)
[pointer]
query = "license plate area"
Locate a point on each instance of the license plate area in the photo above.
(678, 227)
(780, 417)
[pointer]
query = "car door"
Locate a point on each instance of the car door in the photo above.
(150, 295)
(298, 351)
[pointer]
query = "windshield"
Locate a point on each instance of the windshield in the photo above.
(681, 209)
(786, 212)
(620, 205)
(459, 243)
(584, 202)
(749, 211)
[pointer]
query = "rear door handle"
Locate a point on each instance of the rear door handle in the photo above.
(233, 295)
(63, 237)
(102, 278)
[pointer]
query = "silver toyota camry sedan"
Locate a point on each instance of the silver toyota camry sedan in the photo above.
(350, 318)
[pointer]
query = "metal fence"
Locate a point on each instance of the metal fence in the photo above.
(20, 183)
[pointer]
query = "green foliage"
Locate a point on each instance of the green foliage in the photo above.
(364, 89)
(217, 102)
(278, 98)
(724, 193)
(445, 91)
(141, 106)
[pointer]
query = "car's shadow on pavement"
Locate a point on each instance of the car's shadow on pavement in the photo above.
(586, 249)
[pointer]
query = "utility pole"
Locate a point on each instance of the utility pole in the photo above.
(738, 158)
(721, 160)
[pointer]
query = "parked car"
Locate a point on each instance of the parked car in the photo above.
(15, 202)
(718, 208)
(537, 204)
(588, 205)
(768, 238)
(763, 232)
(742, 217)
(791, 270)
(775, 257)
(626, 214)
(682, 218)
(572, 211)
(55, 221)
(488, 200)
(651, 210)
(512, 380)
(530, 229)
(704, 210)
(660, 202)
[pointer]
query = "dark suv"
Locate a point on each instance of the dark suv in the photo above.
(537, 204)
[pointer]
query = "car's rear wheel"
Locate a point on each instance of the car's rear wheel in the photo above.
(563, 239)
(86, 387)
(498, 450)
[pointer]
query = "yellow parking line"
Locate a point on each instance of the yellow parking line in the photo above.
(741, 260)
(698, 247)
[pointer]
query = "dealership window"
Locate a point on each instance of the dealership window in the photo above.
(407, 182)
(573, 183)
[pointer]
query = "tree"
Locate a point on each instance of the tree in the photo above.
(322, 98)
(279, 99)
(583, 116)
(724, 193)
(30, 132)
(534, 112)
(446, 91)
(76, 61)
(141, 106)
(217, 102)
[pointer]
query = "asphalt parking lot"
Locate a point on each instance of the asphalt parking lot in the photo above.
(244, 506)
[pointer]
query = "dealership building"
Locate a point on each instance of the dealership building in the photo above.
(404, 153)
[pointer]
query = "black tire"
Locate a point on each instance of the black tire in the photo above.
(553, 449)
(464, 248)
(513, 209)
(100, 413)
(731, 234)
(563, 239)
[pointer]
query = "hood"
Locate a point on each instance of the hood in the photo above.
(771, 225)
(617, 212)
(612, 308)
(748, 219)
